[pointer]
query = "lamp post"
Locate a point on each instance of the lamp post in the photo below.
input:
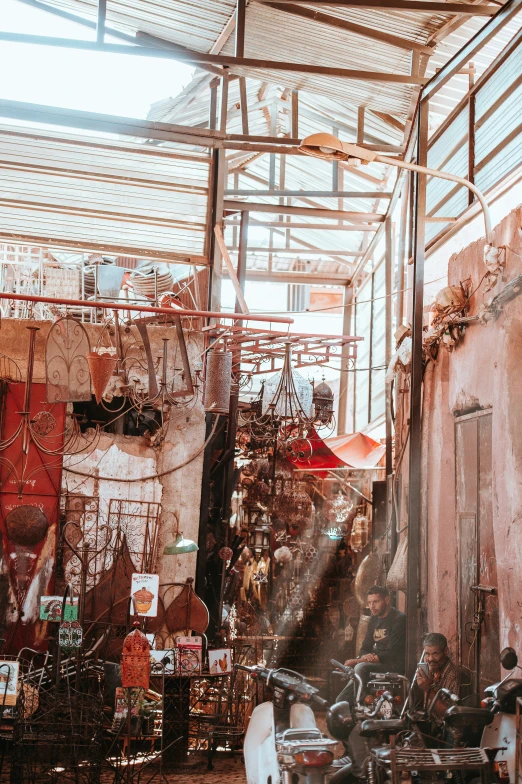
(330, 148)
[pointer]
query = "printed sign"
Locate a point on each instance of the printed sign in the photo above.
(51, 609)
(220, 662)
(8, 682)
(70, 634)
(189, 655)
(144, 592)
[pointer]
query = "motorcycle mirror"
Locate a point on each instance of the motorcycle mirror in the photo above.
(509, 658)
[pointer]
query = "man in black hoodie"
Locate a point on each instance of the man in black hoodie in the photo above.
(382, 651)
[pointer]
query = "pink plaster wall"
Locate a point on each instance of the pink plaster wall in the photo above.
(485, 369)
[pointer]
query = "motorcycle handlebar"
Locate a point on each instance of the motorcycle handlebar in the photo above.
(320, 702)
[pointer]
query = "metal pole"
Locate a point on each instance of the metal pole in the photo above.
(388, 339)
(242, 255)
(295, 114)
(240, 28)
(401, 250)
(415, 452)
(100, 23)
(343, 382)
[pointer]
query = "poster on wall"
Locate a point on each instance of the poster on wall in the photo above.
(8, 682)
(51, 609)
(220, 662)
(144, 592)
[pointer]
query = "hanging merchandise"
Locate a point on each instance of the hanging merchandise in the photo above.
(294, 505)
(360, 532)
(367, 575)
(135, 665)
(348, 632)
(323, 402)
(338, 509)
(397, 576)
(218, 381)
(70, 635)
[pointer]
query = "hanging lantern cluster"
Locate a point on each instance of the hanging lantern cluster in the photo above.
(294, 505)
(338, 508)
(288, 409)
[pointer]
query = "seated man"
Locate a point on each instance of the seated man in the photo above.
(382, 651)
(383, 646)
(441, 673)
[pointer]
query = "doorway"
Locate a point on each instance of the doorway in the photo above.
(479, 631)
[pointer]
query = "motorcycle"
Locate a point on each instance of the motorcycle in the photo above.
(283, 742)
(385, 697)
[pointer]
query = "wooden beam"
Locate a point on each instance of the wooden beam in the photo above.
(363, 217)
(352, 27)
(215, 59)
(315, 278)
(360, 125)
(389, 120)
(239, 48)
(311, 226)
(426, 6)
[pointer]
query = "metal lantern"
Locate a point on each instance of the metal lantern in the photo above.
(135, 665)
(261, 537)
(218, 381)
(323, 401)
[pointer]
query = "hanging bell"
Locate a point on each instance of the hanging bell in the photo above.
(135, 665)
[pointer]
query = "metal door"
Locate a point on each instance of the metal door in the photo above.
(477, 566)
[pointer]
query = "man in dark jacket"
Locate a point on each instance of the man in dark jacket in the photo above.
(382, 651)
(383, 646)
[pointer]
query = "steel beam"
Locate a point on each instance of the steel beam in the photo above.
(317, 278)
(314, 226)
(298, 251)
(364, 217)
(313, 194)
(214, 59)
(344, 377)
(77, 19)
(100, 21)
(239, 48)
(506, 13)
(427, 6)
(352, 27)
(415, 452)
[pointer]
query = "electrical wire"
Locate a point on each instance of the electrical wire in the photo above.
(152, 476)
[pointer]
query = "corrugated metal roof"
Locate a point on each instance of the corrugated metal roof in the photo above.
(274, 34)
(128, 198)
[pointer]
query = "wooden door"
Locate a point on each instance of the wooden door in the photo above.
(478, 608)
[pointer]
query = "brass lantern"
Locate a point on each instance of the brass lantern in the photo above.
(323, 400)
(135, 666)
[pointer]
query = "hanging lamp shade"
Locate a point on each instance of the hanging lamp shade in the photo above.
(180, 546)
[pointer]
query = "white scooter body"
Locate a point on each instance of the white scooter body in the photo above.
(263, 761)
(502, 732)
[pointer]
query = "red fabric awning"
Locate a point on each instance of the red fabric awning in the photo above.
(355, 450)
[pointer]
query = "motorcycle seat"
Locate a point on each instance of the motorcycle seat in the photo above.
(460, 716)
(372, 727)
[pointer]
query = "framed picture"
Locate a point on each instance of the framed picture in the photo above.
(220, 662)
(144, 592)
(8, 682)
(51, 609)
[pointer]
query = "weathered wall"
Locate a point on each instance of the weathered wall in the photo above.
(118, 456)
(482, 371)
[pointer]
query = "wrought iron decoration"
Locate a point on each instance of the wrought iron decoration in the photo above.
(67, 370)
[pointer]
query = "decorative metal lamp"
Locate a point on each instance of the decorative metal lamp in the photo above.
(323, 402)
(180, 546)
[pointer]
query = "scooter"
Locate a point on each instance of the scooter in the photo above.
(283, 742)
